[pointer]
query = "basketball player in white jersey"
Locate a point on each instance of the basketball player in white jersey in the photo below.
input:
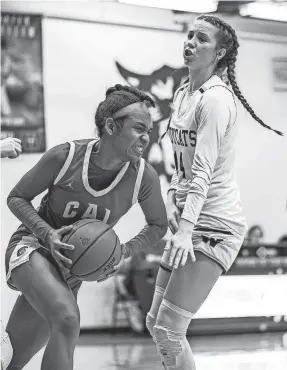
(203, 208)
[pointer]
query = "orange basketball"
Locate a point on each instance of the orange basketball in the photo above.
(97, 249)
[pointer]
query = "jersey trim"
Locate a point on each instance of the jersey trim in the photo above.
(205, 88)
(85, 174)
(138, 181)
(67, 162)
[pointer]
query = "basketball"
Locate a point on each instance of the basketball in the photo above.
(97, 249)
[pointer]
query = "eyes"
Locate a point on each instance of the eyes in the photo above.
(200, 36)
(143, 130)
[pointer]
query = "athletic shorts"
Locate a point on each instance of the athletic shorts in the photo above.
(19, 252)
(222, 246)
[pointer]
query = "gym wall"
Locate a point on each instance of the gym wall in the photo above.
(79, 61)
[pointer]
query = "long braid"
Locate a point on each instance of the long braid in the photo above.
(232, 79)
(230, 42)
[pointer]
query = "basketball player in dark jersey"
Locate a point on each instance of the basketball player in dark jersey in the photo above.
(98, 179)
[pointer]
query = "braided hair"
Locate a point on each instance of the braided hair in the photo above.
(118, 97)
(229, 41)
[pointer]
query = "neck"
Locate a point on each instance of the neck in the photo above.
(198, 77)
(106, 157)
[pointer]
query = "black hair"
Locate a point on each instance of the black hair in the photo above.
(253, 228)
(118, 97)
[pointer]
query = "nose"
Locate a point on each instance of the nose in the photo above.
(145, 139)
(190, 43)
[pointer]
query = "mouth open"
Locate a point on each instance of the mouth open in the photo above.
(188, 53)
(138, 149)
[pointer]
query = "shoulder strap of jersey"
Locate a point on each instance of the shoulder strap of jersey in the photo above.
(67, 162)
(201, 90)
(172, 110)
(205, 88)
(138, 181)
(178, 90)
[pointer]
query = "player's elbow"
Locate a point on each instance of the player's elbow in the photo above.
(162, 230)
(12, 199)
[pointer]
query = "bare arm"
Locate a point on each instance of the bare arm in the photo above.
(152, 205)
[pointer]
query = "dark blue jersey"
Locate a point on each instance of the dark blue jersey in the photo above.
(79, 189)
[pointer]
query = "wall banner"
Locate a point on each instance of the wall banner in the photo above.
(22, 98)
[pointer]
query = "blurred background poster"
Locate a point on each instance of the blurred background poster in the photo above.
(22, 102)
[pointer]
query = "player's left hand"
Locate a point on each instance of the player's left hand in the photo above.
(180, 246)
(112, 271)
(10, 147)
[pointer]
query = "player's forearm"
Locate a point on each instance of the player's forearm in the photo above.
(26, 213)
(172, 188)
(173, 182)
(148, 237)
(193, 205)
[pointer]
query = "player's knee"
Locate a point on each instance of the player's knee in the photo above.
(170, 331)
(165, 317)
(150, 323)
(169, 345)
(66, 322)
(174, 317)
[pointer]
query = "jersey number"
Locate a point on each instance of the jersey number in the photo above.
(179, 164)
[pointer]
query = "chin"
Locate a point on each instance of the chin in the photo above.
(134, 158)
(187, 62)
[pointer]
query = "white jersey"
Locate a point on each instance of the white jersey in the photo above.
(202, 130)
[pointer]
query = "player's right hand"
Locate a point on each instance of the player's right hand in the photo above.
(54, 243)
(115, 269)
(10, 147)
(173, 216)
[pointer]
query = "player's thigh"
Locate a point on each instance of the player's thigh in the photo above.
(164, 272)
(45, 289)
(189, 285)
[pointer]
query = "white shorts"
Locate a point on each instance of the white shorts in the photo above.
(220, 247)
(21, 254)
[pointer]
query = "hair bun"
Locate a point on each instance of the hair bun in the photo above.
(117, 87)
(110, 91)
(131, 91)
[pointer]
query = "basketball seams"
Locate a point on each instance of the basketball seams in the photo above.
(91, 272)
(110, 257)
(78, 228)
(81, 255)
